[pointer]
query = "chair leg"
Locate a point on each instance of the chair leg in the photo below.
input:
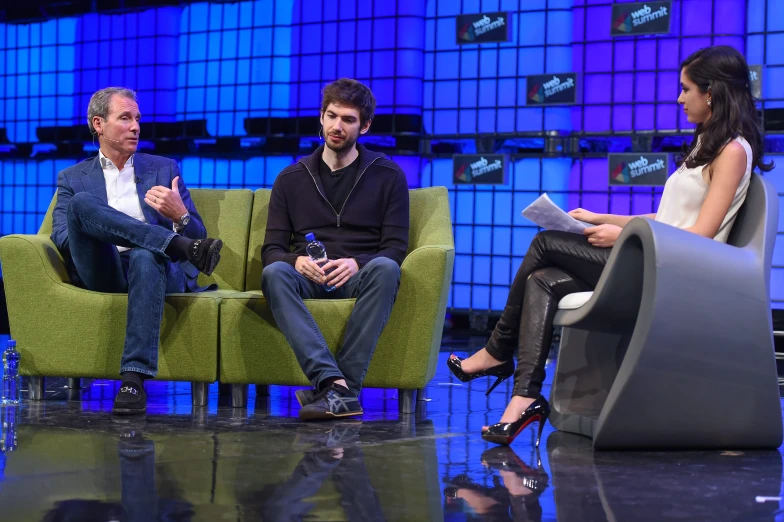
(199, 393)
(421, 403)
(74, 383)
(407, 401)
(35, 387)
(262, 390)
(239, 395)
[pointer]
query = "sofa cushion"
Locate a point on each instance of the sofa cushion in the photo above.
(226, 215)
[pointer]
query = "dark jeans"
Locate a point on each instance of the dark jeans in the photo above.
(145, 272)
(375, 289)
(556, 264)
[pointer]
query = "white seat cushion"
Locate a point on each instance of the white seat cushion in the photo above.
(574, 301)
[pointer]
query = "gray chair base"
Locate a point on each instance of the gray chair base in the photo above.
(674, 349)
(588, 363)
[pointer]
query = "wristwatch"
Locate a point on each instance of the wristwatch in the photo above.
(182, 222)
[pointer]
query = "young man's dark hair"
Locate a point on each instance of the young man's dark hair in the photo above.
(355, 201)
(351, 93)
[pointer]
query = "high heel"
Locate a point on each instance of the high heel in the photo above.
(501, 371)
(505, 432)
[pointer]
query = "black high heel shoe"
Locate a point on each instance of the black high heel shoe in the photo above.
(502, 371)
(505, 432)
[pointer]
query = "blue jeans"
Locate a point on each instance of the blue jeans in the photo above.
(375, 289)
(145, 272)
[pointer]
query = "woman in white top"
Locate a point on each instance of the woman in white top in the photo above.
(703, 196)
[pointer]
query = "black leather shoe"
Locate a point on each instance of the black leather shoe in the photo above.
(505, 432)
(501, 371)
(204, 254)
(130, 400)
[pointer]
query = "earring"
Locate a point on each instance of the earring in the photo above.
(709, 102)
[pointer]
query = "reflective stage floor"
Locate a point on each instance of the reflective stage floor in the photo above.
(71, 460)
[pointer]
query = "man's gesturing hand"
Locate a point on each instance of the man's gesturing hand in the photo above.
(166, 201)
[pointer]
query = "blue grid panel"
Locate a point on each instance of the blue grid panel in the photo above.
(236, 66)
(26, 189)
(643, 72)
(101, 39)
(490, 234)
(480, 70)
(36, 76)
(391, 61)
(776, 176)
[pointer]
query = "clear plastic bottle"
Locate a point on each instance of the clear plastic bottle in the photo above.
(10, 393)
(318, 253)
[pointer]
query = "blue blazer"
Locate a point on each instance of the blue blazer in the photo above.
(87, 176)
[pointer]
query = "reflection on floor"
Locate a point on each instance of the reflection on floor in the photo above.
(64, 459)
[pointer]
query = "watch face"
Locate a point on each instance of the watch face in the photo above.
(184, 220)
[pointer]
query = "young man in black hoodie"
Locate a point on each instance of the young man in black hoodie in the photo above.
(355, 202)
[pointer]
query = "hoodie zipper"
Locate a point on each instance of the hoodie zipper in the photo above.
(338, 214)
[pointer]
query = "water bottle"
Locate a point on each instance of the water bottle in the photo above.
(10, 374)
(317, 253)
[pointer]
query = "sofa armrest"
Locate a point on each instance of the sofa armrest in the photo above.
(412, 337)
(653, 263)
(31, 259)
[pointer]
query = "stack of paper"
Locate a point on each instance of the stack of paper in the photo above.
(549, 216)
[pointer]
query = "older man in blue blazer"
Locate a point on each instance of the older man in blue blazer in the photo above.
(125, 222)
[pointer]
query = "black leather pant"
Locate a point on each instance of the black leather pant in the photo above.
(556, 264)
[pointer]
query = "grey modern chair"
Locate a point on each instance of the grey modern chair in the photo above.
(674, 348)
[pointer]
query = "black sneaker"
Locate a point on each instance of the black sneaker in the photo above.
(334, 402)
(130, 400)
(204, 254)
(305, 397)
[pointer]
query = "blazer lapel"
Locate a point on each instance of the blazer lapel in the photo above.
(148, 180)
(94, 181)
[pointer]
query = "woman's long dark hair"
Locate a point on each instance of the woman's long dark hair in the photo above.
(723, 71)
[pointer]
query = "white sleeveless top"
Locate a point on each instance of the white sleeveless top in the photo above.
(686, 190)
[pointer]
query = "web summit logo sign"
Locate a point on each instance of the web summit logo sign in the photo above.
(551, 89)
(479, 169)
(641, 18)
(639, 169)
(483, 27)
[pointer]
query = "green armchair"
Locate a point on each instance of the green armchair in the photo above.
(66, 331)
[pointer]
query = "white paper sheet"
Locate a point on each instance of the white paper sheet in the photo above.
(549, 216)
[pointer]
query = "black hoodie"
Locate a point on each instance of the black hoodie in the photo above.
(373, 221)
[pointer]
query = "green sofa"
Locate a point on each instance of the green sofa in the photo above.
(227, 335)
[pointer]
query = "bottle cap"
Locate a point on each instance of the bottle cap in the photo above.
(11, 343)
(310, 236)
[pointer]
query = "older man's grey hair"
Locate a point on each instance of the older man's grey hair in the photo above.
(99, 103)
